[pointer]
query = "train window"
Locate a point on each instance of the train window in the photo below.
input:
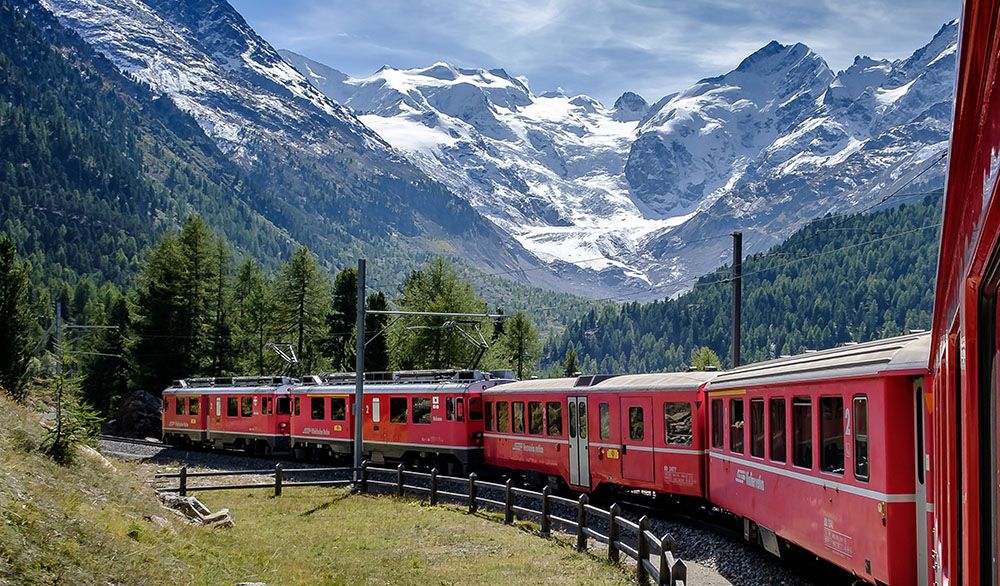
(179, 406)
(535, 422)
(166, 404)
(246, 408)
(376, 410)
(475, 409)
(397, 409)
(489, 415)
(296, 406)
(757, 428)
(338, 409)
(636, 424)
(460, 409)
(605, 415)
(265, 406)
(232, 407)
(503, 416)
(318, 408)
(449, 409)
(421, 410)
(802, 454)
(717, 429)
(572, 419)
(831, 434)
(583, 420)
(861, 438)
(194, 405)
(284, 406)
(677, 423)
(777, 420)
(736, 431)
(553, 413)
(517, 416)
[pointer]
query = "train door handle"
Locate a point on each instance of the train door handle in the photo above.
(623, 448)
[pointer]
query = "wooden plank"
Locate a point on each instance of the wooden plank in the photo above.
(593, 534)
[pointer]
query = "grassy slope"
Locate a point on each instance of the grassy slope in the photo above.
(88, 524)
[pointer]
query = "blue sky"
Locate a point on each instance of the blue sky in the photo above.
(595, 47)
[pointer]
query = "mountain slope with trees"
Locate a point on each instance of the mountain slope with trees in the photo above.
(839, 279)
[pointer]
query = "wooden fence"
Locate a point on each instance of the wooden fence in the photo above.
(653, 556)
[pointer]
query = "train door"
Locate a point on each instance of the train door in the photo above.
(579, 454)
(637, 438)
(920, 452)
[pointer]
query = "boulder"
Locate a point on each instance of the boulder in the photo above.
(138, 416)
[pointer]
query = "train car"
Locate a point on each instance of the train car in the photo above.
(592, 432)
(964, 352)
(431, 418)
(826, 450)
(248, 413)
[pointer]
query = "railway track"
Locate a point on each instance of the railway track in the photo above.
(133, 441)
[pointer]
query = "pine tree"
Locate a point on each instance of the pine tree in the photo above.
(377, 349)
(520, 345)
(196, 245)
(255, 317)
(302, 306)
(17, 328)
(704, 357)
(160, 353)
(106, 380)
(570, 367)
(338, 344)
(220, 330)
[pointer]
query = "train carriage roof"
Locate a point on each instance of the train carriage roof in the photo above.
(391, 389)
(899, 355)
(550, 385)
(657, 381)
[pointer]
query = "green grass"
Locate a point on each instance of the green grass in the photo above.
(90, 524)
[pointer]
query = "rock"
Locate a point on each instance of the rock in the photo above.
(157, 521)
(195, 511)
(138, 416)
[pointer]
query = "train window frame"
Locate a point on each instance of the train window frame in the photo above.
(423, 415)
(517, 424)
(717, 410)
(503, 416)
(317, 408)
(571, 410)
(797, 428)
(678, 432)
(489, 416)
(553, 425)
(179, 406)
(449, 409)
(757, 433)
(475, 408)
(828, 458)
(582, 418)
(232, 406)
(860, 464)
(340, 410)
(194, 406)
(459, 409)
(246, 407)
(376, 410)
(297, 406)
(166, 404)
(604, 415)
(536, 418)
(737, 428)
(284, 406)
(772, 440)
(399, 410)
(636, 423)
(265, 406)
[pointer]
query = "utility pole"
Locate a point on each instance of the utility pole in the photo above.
(359, 370)
(59, 373)
(737, 295)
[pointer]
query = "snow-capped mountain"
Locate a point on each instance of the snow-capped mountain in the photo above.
(649, 192)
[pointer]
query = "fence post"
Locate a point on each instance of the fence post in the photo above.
(641, 575)
(473, 493)
(614, 534)
(678, 573)
(665, 554)
(581, 523)
(278, 479)
(182, 484)
(434, 486)
(399, 480)
(363, 480)
(508, 505)
(546, 513)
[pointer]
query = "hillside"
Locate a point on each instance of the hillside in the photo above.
(840, 279)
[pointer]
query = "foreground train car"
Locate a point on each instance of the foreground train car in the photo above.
(432, 418)
(248, 413)
(826, 450)
(591, 432)
(965, 345)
